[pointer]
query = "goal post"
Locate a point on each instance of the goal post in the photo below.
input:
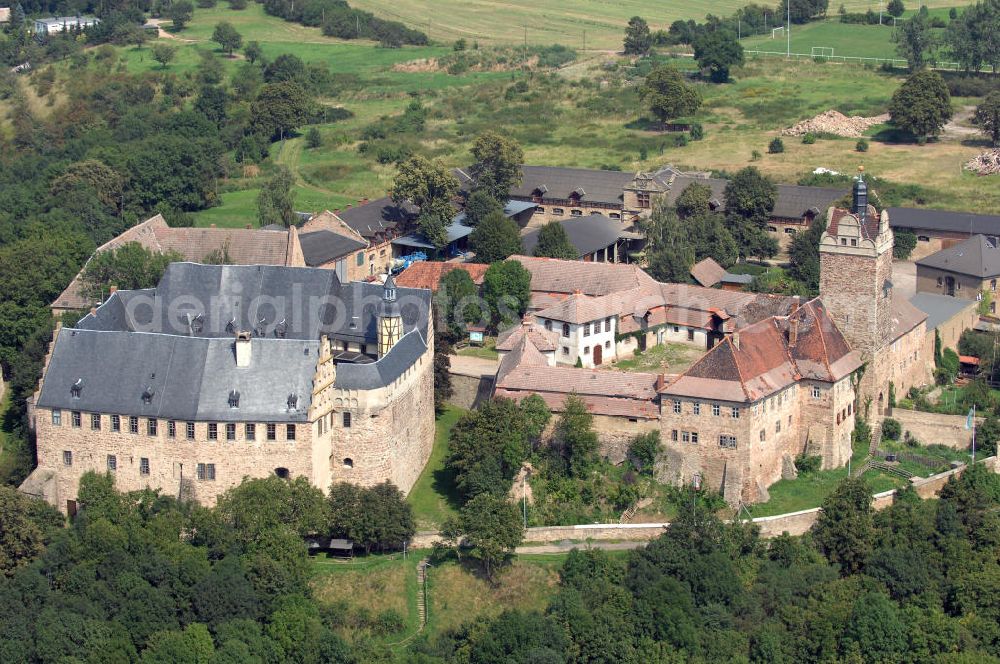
(822, 51)
(780, 30)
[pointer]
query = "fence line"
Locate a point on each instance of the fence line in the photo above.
(896, 62)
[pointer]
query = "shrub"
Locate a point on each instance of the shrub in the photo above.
(861, 145)
(389, 622)
(680, 140)
(809, 139)
(313, 138)
(820, 60)
(755, 155)
(697, 131)
(891, 428)
(806, 463)
(776, 146)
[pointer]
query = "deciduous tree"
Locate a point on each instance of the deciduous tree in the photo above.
(227, 37)
(914, 41)
(845, 529)
(128, 267)
(276, 200)
(668, 95)
(497, 166)
(507, 289)
(718, 52)
(493, 528)
(988, 117)
(921, 105)
(553, 242)
(164, 54)
(495, 239)
(180, 13)
(431, 187)
(638, 39)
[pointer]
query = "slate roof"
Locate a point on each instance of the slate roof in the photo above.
(708, 272)
(588, 234)
(178, 339)
(379, 216)
(944, 220)
(555, 182)
(905, 317)
(977, 257)
(940, 308)
(795, 201)
(768, 356)
(242, 245)
(323, 246)
(428, 274)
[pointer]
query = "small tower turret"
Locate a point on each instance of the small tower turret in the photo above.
(390, 320)
(860, 203)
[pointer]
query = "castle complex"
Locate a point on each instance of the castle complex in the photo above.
(226, 372)
(779, 378)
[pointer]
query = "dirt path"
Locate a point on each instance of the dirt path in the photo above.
(964, 130)
(163, 34)
(288, 156)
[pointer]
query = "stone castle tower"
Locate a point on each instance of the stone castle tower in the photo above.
(855, 284)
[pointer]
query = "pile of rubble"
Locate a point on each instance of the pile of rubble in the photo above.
(986, 163)
(835, 122)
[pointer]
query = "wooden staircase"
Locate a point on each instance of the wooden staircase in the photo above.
(629, 513)
(422, 593)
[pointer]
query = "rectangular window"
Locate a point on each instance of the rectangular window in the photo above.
(213, 431)
(642, 197)
(67, 458)
(690, 334)
(736, 412)
(210, 471)
(586, 329)
(729, 442)
(361, 258)
(272, 432)
(289, 432)
(677, 405)
(763, 435)
(685, 436)
(144, 466)
(152, 426)
(76, 419)
(116, 423)
(607, 325)
(347, 420)
(694, 437)
(133, 424)
(112, 463)
(777, 426)
(548, 325)
(56, 417)
(231, 431)
(696, 408)
(716, 410)
(673, 435)
(171, 429)
(95, 421)
(565, 350)
(189, 430)
(815, 392)
(250, 431)
(201, 471)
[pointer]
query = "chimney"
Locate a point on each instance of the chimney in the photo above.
(796, 303)
(793, 332)
(112, 290)
(248, 227)
(93, 311)
(211, 225)
(661, 381)
(736, 340)
(243, 348)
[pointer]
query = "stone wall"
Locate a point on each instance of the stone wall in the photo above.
(469, 391)
(966, 286)
(934, 428)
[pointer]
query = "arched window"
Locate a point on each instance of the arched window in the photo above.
(565, 329)
(348, 463)
(282, 473)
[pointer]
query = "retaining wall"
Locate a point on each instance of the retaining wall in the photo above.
(469, 391)
(931, 428)
(793, 523)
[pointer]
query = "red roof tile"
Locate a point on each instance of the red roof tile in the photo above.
(428, 274)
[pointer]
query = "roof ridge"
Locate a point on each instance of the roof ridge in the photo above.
(739, 369)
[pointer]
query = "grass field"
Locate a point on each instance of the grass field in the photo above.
(865, 41)
(669, 358)
(434, 497)
(558, 21)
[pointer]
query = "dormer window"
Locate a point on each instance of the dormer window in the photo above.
(234, 399)
(261, 327)
(76, 388)
(198, 323)
(231, 325)
(293, 402)
(281, 329)
(147, 395)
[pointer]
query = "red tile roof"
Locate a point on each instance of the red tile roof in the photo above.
(707, 272)
(543, 340)
(428, 274)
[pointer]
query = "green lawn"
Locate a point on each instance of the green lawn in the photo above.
(487, 351)
(6, 455)
(846, 39)
(668, 358)
(434, 497)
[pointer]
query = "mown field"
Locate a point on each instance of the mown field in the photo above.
(559, 21)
